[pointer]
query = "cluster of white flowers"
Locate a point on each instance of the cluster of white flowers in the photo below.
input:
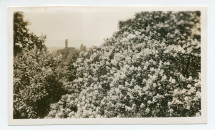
(138, 72)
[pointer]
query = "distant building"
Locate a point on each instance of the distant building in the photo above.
(83, 48)
(66, 43)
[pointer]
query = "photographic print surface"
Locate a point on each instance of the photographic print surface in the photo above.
(114, 64)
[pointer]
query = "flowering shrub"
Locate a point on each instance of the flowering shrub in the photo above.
(150, 67)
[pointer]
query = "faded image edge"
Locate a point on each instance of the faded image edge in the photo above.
(108, 67)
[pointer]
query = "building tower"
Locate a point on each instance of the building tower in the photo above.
(83, 48)
(66, 43)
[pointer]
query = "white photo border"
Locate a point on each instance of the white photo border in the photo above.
(158, 120)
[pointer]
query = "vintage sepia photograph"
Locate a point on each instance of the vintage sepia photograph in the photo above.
(103, 65)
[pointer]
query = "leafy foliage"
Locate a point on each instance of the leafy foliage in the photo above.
(150, 67)
(69, 56)
(22, 38)
(35, 79)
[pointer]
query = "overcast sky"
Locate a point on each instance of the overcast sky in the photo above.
(87, 25)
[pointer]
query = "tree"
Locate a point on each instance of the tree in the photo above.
(35, 77)
(22, 38)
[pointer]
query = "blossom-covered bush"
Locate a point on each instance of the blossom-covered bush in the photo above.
(150, 67)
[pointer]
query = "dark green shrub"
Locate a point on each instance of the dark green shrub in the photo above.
(35, 78)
